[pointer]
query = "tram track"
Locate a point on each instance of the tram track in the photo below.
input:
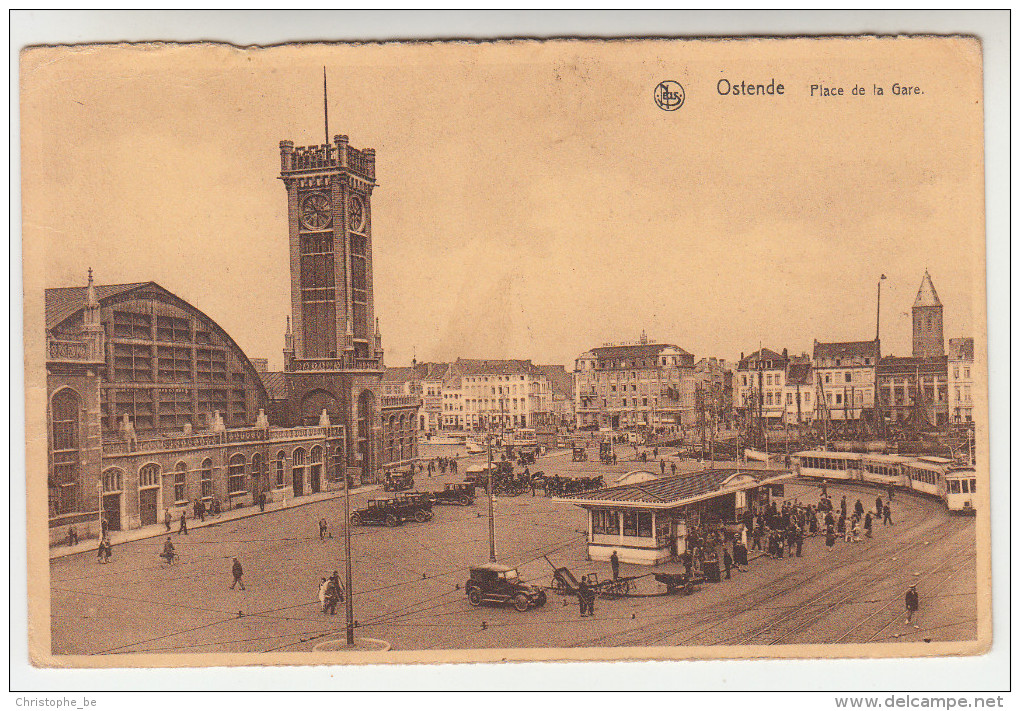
(757, 599)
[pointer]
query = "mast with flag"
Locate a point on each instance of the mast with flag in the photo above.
(325, 110)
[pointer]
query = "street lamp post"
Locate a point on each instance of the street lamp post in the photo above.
(349, 597)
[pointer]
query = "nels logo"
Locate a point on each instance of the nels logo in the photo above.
(669, 95)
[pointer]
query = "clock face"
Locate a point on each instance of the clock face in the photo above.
(357, 214)
(315, 211)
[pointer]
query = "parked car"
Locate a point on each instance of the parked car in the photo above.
(416, 505)
(497, 583)
(460, 494)
(379, 512)
(398, 481)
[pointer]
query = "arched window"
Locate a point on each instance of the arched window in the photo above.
(281, 465)
(113, 481)
(207, 479)
(148, 476)
(180, 482)
(297, 471)
(256, 467)
(316, 455)
(235, 474)
(66, 454)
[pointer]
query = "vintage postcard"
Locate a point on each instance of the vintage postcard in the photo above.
(522, 350)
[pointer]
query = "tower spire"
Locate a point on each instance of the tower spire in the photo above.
(325, 109)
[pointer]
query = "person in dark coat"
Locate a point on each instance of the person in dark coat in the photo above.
(842, 505)
(867, 525)
(727, 562)
(799, 540)
(878, 505)
(740, 554)
(614, 561)
(830, 537)
(859, 508)
(184, 525)
(262, 502)
(237, 571)
(887, 516)
(662, 466)
(168, 553)
(912, 603)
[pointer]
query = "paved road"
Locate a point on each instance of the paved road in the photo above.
(409, 580)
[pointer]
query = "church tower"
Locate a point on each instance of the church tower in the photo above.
(928, 338)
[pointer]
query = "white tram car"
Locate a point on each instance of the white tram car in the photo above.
(961, 485)
(934, 476)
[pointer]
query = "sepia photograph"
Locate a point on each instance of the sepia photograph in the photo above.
(413, 352)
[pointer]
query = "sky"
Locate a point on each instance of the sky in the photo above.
(533, 201)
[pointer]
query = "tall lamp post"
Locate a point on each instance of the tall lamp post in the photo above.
(349, 597)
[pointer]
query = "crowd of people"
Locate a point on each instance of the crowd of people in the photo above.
(439, 464)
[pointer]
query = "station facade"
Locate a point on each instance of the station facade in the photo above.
(153, 408)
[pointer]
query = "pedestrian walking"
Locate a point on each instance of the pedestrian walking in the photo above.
(912, 605)
(262, 502)
(799, 538)
(662, 466)
(830, 538)
(323, 586)
(332, 597)
(237, 571)
(614, 561)
(167, 519)
(72, 536)
(727, 561)
(878, 505)
(168, 553)
(842, 505)
(887, 515)
(104, 526)
(184, 525)
(101, 550)
(582, 595)
(859, 508)
(672, 468)
(867, 525)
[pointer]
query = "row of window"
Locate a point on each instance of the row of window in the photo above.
(238, 469)
(961, 486)
(633, 523)
(169, 329)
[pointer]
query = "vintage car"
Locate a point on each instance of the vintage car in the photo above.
(379, 512)
(414, 505)
(457, 493)
(498, 583)
(580, 454)
(398, 481)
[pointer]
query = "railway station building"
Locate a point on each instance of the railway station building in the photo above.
(646, 519)
(153, 407)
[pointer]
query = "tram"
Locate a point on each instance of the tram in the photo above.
(829, 465)
(961, 485)
(934, 476)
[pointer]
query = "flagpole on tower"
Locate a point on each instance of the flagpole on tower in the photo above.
(325, 108)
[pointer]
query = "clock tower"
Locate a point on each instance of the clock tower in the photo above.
(333, 355)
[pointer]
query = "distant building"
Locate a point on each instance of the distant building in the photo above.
(561, 383)
(917, 389)
(713, 377)
(637, 385)
(799, 390)
(961, 379)
(490, 394)
(761, 377)
(847, 371)
(927, 318)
